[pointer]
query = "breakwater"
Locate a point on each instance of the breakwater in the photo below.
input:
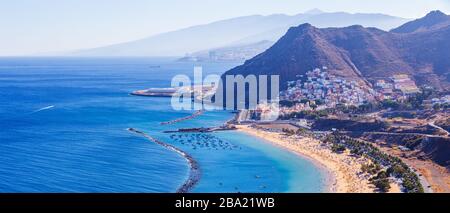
(203, 129)
(194, 115)
(194, 174)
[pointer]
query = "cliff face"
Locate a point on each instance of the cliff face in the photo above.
(360, 53)
(436, 149)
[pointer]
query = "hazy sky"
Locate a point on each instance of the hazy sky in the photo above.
(33, 26)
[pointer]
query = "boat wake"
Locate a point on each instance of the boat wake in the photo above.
(42, 109)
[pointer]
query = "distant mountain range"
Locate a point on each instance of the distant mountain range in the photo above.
(241, 31)
(240, 52)
(420, 48)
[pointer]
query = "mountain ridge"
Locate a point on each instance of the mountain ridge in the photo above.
(356, 53)
(434, 19)
(244, 30)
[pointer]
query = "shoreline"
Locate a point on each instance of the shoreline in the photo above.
(342, 172)
(194, 168)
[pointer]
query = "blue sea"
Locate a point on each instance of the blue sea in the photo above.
(63, 128)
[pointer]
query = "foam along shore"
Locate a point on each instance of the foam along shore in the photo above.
(344, 171)
(194, 174)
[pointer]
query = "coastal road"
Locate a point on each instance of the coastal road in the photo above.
(438, 127)
(402, 134)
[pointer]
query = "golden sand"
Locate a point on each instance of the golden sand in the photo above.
(345, 169)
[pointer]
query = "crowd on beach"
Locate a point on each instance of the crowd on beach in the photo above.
(345, 168)
(364, 162)
(353, 165)
(383, 167)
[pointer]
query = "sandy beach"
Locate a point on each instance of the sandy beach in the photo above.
(344, 170)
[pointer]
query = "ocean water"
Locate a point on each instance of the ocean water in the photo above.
(63, 128)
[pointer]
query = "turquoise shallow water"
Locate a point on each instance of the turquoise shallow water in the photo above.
(81, 143)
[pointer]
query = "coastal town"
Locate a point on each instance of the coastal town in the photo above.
(372, 106)
(320, 90)
(374, 136)
(326, 90)
(390, 126)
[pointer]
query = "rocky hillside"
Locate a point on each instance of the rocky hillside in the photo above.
(434, 19)
(360, 53)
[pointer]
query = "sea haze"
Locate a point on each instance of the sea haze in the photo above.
(63, 128)
(236, 32)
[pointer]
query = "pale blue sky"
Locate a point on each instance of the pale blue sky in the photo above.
(33, 26)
